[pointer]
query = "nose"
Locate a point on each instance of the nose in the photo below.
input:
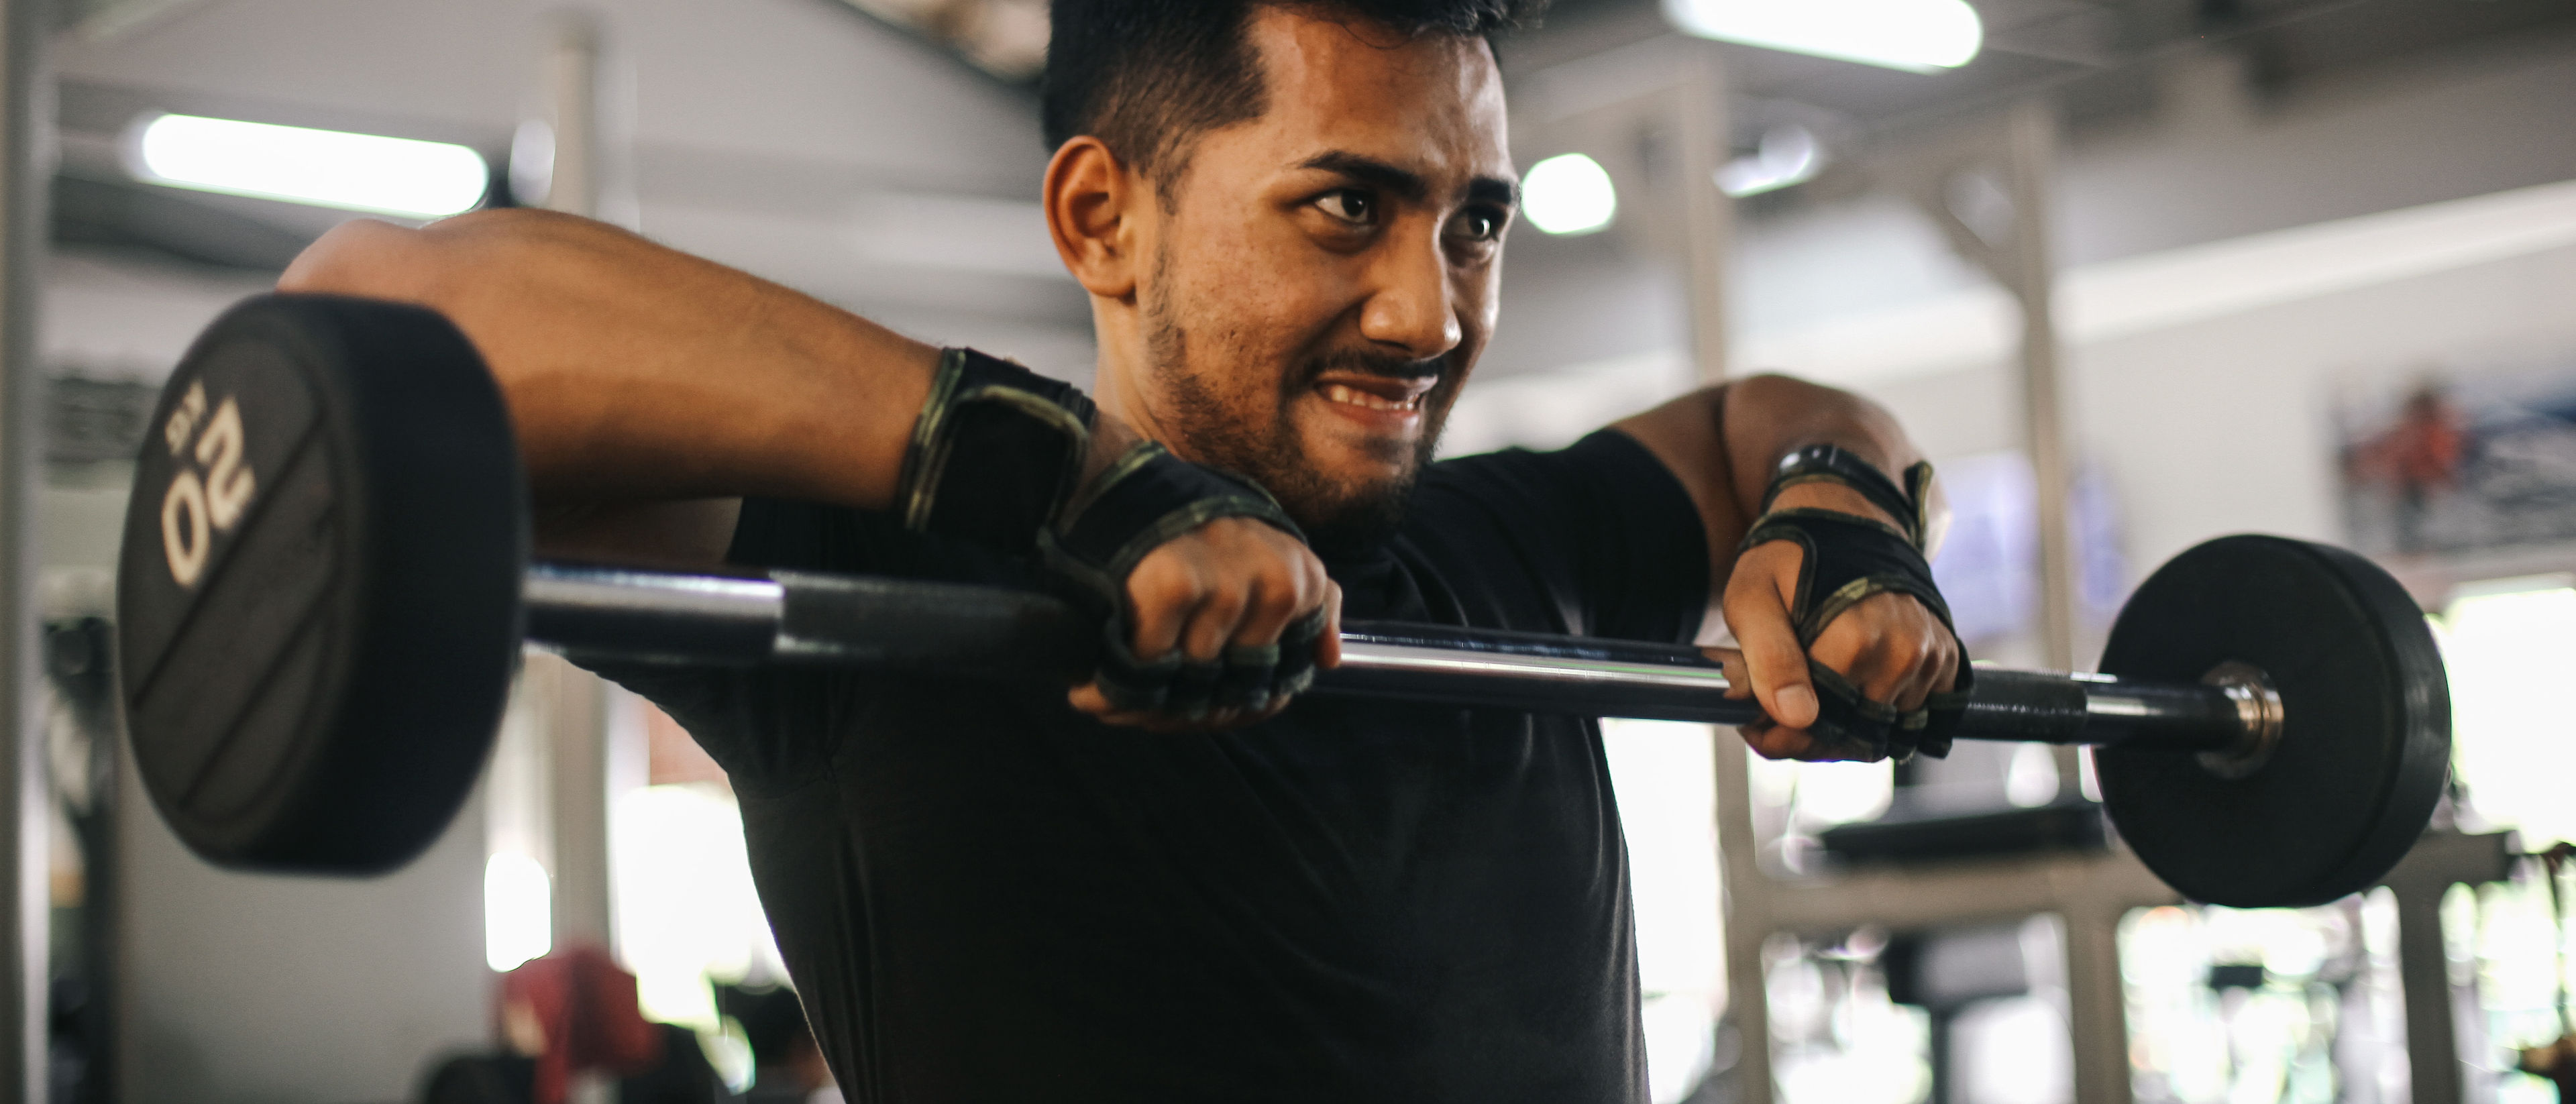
(1409, 309)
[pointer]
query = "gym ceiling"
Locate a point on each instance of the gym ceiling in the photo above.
(2096, 59)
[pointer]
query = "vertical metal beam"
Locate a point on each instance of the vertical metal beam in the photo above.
(1708, 222)
(2097, 1006)
(570, 80)
(25, 113)
(2030, 140)
(1746, 890)
(577, 714)
(2424, 976)
(2098, 1021)
(2017, 155)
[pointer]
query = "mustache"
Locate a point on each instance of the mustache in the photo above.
(1358, 362)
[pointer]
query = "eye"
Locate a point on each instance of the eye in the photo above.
(1479, 224)
(1351, 206)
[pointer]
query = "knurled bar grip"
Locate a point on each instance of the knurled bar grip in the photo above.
(845, 620)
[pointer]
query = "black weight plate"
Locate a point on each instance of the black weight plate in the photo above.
(318, 594)
(2362, 757)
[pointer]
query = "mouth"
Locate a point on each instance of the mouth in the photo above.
(1381, 395)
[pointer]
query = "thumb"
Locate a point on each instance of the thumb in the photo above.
(1771, 650)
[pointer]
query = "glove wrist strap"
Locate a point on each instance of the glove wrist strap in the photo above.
(1024, 437)
(1908, 503)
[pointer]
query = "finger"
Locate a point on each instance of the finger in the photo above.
(1739, 678)
(1884, 646)
(1772, 657)
(1328, 648)
(1088, 698)
(1771, 741)
(1940, 669)
(1216, 620)
(1274, 602)
(1164, 591)
(1932, 672)
(1889, 667)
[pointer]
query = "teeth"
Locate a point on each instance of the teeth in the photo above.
(1341, 394)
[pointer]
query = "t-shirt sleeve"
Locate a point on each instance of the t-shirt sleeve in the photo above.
(774, 727)
(1601, 534)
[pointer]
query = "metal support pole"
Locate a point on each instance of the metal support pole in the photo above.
(2424, 974)
(576, 709)
(1746, 893)
(2097, 1020)
(2030, 137)
(25, 113)
(2441, 860)
(1708, 217)
(576, 716)
(570, 80)
(2017, 156)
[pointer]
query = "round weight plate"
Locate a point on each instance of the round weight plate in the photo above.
(2362, 757)
(318, 594)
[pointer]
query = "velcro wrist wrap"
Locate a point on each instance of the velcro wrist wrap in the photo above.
(1026, 436)
(1835, 464)
(1145, 498)
(1847, 560)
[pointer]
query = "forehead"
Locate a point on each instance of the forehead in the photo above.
(1430, 102)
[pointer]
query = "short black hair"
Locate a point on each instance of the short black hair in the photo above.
(1146, 76)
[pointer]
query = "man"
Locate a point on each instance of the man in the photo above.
(1174, 885)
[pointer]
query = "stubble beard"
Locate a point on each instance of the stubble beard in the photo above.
(1340, 517)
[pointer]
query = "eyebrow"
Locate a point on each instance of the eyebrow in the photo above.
(1407, 183)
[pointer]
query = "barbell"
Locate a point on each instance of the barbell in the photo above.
(325, 585)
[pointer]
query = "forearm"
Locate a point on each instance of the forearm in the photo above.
(637, 373)
(1723, 443)
(1765, 418)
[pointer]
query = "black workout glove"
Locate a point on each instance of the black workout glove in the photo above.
(995, 457)
(1144, 499)
(1847, 560)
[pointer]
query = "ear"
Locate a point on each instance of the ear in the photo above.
(1092, 209)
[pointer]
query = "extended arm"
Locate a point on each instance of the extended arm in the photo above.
(642, 378)
(1723, 444)
(651, 390)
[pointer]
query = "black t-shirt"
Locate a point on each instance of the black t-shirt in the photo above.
(984, 895)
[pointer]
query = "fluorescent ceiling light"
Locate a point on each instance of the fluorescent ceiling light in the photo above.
(1916, 35)
(326, 168)
(1788, 155)
(1569, 194)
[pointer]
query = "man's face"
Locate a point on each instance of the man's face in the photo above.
(1326, 274)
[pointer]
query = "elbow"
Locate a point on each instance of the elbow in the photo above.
(1783, 389)
(373, 259)
(361, 257)
(1788, 399)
